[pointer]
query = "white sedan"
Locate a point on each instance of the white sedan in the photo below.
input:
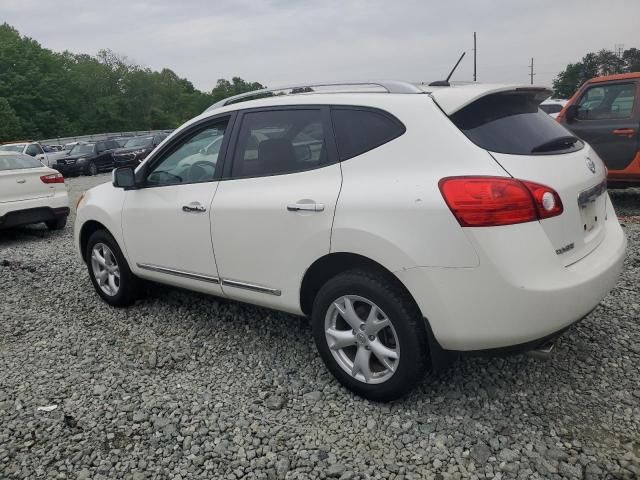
(31, 193)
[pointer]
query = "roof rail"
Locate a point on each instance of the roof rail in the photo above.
(391, 86)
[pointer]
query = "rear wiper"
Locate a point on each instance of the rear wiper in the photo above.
(556, 144)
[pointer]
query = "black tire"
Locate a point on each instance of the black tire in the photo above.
(92, 169)
(405, 317)
(57, 223)
(129, 284)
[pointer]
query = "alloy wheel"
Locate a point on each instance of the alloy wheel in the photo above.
(362, 339)
(105, 269)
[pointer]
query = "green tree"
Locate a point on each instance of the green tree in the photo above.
(605, 62)
(10, 127)
(45, 94)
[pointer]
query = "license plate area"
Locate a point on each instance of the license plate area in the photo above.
(591, 203)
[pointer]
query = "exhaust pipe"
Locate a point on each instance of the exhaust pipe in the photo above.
(543, 352)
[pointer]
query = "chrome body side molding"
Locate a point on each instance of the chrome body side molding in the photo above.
(205, 278)
(250, 286)
(178, 273)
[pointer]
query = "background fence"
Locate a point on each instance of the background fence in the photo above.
(99, 136)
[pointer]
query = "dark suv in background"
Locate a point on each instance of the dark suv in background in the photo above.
(136, 149)
(88, 158)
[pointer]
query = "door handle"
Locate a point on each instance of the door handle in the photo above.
(22, 180)
(306, 207)
(624, 131)
(194, 207)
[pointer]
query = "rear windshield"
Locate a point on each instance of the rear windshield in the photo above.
(18, 162)
(513, 123)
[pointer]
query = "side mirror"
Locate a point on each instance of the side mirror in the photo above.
(123, 177)
(572, 112)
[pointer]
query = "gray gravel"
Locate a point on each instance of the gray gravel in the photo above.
(184, 386)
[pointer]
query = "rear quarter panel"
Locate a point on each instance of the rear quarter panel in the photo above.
(390, 208)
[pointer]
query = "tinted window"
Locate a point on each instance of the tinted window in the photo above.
(358, 131)
(192, 159)
(18, 162)
(31, 150)
(82, 149)
(101, 146)
(512, 123)
(278, 142)
(607, 102)
(551, 108)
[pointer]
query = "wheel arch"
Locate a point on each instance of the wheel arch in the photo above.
(333, 264)
(88, 228)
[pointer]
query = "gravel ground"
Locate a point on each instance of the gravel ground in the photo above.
(184, 386)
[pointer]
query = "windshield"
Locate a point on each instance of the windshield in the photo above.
(82, 149)
(18, 162)
(13, 148)
(138, 142)
(512, 123)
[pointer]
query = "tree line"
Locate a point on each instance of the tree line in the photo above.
(46, 94)
(605, 62)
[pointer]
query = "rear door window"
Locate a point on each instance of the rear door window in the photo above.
(360, 130)
(279, 142)
(606, 102)
(512, 123)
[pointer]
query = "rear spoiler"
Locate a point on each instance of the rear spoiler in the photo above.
(453, 99)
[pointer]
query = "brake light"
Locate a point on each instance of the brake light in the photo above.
(493, 201)
(52, 178)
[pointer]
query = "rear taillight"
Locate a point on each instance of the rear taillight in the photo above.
(493, 201)
(52, 178)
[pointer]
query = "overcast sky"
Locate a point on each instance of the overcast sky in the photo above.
(287, 41)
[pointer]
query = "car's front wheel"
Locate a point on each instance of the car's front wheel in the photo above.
(370, 334)
(109, 271)
(92, 169)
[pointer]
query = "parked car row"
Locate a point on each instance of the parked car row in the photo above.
(90, 158)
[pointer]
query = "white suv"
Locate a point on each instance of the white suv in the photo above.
(409, 222)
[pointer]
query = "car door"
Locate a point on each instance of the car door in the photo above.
(608, 118)
(102, 159)
(273, 210)
(166, 222)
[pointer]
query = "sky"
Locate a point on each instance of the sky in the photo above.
(278, 42)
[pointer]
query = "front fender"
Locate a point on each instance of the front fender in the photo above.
(102, 204)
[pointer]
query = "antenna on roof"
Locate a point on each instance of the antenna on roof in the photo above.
(445, 83)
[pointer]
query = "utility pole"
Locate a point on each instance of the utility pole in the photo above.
(531, 74)
(618, 49)
(474, 57)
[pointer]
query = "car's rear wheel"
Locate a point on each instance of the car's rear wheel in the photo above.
(92, 169)
(370, 334)
(109, 271)
(57, 223)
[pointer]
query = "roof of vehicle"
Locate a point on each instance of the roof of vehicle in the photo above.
(13, 154)
(554, 101)
(450, 98)
(18, 143)
(611, 78)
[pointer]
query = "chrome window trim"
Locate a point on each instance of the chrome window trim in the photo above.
(251, 286)
(178, 273)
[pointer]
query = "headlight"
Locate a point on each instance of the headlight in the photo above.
(81, 160)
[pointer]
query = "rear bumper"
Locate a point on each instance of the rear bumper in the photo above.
(519, 294)
(32, 215)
